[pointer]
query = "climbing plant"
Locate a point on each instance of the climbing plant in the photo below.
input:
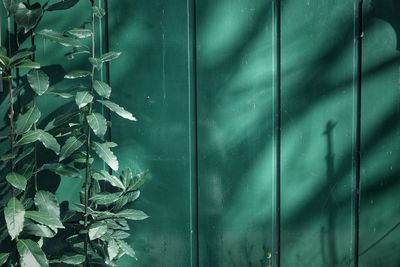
(92, 231)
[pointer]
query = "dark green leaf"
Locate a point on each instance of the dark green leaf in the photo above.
(16, 180)
(28, 64)
(3, 258)
(70, 146)
(46, 202)
(106, 154)
(83, 98)
(97, 123)
(44, 218)
(65, 4)
(62, 170)
(14, 214)
(105, 176)
(77, 74)
(31, 255)
(73, 259)
(27, 18)
(97, 230)
(26, 120)
(59, 38)
(96, 62)
(10, 6)
(21, 55)
(39, 81)
(34, 229)
(117, 109)
(29, 137)
(49, 141)
(102, 88)
(98, 12)
(110, 56)
(24, 154)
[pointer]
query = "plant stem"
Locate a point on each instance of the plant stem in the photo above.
(88, 140)
(11, 117)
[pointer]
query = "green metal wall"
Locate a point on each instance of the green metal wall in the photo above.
(257, 119)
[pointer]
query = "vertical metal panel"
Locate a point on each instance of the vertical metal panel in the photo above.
(317, 126)
(152, 80)
(235, 96)
(379, 221)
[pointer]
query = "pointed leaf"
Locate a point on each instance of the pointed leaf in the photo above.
(98, 124)
(112, 249)
(83, 98)
(26, 120)
(49, 141)
(102, 88)
(73, 259)
(62, 170)
(46, 202)
(97, 230)
(3, 258)
(105, 198)
(39, 81)
(16, 180)
(40, 230)
(110, 56)
(77, 74)
(27, 18)
(28, 64)
(117, 109)
(14, 214)
(65, 4)
(96, 62)
(132, 214)
(44, 218)
(70, 146)
(24, 154)
(80, 33)
(21, 55)
(106, 154)
(126, 248)
(31, 255)
(59, 38)
(105, 176)
(28, 137)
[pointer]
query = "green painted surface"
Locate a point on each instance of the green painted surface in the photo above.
(235, 116)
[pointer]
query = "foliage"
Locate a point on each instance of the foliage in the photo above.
(95, 229)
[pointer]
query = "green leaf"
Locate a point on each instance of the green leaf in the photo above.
(34, 229)
(83, 98)
(10, 6)
(73, 259)
(96, 62)
(112, 249)
(4, 61)
(110, 56)
(3, 258)
(77, 74)
(75, 52)
(105, 176)
(106, 154)
(44, 218)
(14, 214)
(62, 5)
(105, 198)
(21, 55)
(117, 109)
(97, 230)
(102, 88)
(59, 38)
(29, 137)
(120, 235)
(127, 198)
(98, 124)
(39, 81)
(26, 120)
(47, 202)
(70, 146)
(24, 154)
(16, 180)
(28, 64)
(62, 170)
(126, 248)
(98, 12)
(49, 141)
(80, 33)
(31, 255)
(27, 18)
(131, 214)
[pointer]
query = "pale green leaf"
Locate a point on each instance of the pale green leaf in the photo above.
(132, 214)
(96, 62)
(110, 56)
(97, 123)
(98, 11)
(28, 137)
(71, 145)
(126, 248)
(47, 202)
(105, 176)
(49, 141)
(77, 74)
(80, 33)
(83, 98)
(97, 230)
(59, 38)
(62, 170)
(102, 88)
(44, 218)
(117, 109)
(14, 214)
(16, 180)
(34, 229)
(26, 120)
(39, 81)
(3, 258)
(105, 198)
(31, 255)
(106, 154)
(112, 249)
(28, 64)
